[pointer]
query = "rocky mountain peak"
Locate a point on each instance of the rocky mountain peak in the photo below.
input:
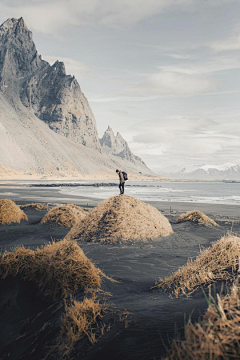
(119, 136)
(18, 55)
(117, 146)
(55, 98)
(108, 139)
(21, 23)
(109, 129)
(14, 25)
(60, 67)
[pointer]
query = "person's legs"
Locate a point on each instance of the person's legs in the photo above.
(121, 187)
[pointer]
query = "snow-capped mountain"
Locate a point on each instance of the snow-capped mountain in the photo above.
(226, 171)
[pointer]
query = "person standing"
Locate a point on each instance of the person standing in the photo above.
(121, 181)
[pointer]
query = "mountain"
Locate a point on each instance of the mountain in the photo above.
(28, 145)
(226, 171)
(46, 124)
(116, 146)
(56, 98)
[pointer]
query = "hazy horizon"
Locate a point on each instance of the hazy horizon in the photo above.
(164, 73)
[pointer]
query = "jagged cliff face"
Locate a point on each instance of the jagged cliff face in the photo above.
(56, 98)
(117, 146)
(18, 55)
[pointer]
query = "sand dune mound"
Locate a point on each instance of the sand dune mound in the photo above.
(10, 212)
(218, 262)
(66, 215)
(197, 217)
(36, 206)
(121, 218)
(216, 336)
(57, 269)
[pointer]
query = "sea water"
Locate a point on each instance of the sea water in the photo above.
(198, 192)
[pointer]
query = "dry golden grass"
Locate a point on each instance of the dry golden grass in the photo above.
(218, 262)
(36, 206)
(216, 337)
(66, 215)
(121, 218)
(81, 319)
(10, 212)
(58, 269)
(197, 217)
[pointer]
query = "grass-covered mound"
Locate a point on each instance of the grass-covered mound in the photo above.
(58, 269)
(197, 217)
(35, 206)
(10, 212)
(121, 218)
(218, 262)
(66, 215)
(216, 337)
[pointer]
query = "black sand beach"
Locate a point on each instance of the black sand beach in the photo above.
(154, 316)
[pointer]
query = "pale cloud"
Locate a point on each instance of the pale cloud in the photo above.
(52, 16)
(125, 98)
(180, 56)
(46, 18)
(184, 79)
(173, 83)
(177, 83)
(127, 12)
(203, 67)
(232, 43)
(180, 140)
(229, 43)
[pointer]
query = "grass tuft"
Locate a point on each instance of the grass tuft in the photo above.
(36, 206)
(66, 215)
(218, 262)
(81, 319)
(217, 336)
(57, 269)
(197, 217)
(10, 212)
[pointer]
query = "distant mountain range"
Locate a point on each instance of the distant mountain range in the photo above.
(46, 124)
(205, 172)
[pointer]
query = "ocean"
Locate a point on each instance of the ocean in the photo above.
(197, 192)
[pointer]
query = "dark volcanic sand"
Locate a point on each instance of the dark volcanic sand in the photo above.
(154, 316)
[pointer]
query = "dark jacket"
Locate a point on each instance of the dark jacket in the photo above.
(121, 177)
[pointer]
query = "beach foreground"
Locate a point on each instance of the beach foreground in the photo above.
(29, 324)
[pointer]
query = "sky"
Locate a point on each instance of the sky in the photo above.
(163, 73)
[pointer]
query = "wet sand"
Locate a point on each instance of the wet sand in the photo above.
(153, 318)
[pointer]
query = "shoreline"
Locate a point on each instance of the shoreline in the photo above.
(21, 193)
(110, 178)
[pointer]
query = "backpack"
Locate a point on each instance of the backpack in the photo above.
(125, 176)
